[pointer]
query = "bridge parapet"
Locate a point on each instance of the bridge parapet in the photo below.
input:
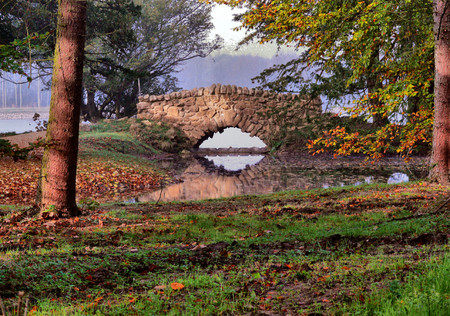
(201, 112)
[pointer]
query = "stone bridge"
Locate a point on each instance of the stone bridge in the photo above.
(201, 112)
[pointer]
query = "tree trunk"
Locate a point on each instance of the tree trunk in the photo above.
(56, 190)
(4, 93)
(20, 95)
(373, 85)
(39, 92)
(15, 96)
(440, 155)
(90, 111)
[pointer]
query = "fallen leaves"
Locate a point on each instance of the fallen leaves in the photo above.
(96, 178)
(176, 286)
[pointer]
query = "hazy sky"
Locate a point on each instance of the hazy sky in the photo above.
(222, 17)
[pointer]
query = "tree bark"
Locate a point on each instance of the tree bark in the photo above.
(90, 111)
(56, 191)
(440, 155)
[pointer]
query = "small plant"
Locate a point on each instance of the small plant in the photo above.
(16, 308)
(12, 150)
(50, 212)
(89, 204)
(41, 125)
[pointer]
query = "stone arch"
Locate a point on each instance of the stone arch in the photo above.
(201, 112)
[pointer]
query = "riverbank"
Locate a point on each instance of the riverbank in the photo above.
(115, 166)
(23, 113)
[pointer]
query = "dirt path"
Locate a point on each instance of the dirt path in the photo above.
(22, 140)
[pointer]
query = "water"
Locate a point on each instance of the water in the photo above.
(18, 126)
(235, 163)
(226, 176)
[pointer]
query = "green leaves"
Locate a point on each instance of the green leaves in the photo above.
(19, 51)
(382, 51)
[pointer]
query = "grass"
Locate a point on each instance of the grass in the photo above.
(338, 251)
(423, 294)
(364, 250)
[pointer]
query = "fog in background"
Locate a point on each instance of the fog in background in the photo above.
(23, 95)
(226, 69)
(227, 66)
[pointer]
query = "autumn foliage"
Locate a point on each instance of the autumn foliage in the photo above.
(380, 53)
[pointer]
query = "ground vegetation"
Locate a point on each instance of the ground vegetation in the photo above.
(367, 249)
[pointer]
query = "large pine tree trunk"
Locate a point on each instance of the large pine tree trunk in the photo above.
(56, 192)
(441, 133)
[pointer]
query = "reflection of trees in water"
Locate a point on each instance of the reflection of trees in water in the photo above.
(202, 180)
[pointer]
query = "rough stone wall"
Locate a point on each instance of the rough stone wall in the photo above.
(201, 112)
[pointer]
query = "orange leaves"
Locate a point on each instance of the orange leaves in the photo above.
(97, 179)
(18, 181)
(323, 278)
(176, 286)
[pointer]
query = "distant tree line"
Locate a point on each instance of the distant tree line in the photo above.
(14, 94)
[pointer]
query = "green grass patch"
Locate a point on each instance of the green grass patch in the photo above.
(425, 293)
(336, 251)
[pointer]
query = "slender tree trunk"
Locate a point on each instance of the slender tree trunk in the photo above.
(4, 92)
(373, 85)
(15, 96)
(20, 96)
(440, 155)
(39, 92)
(56, 192)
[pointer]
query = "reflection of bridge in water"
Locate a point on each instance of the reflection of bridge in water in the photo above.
(202, 180)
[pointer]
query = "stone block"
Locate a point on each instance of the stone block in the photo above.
(237, 119)
(228, 117)
(249, 111)
(223, 89)
(242, 122)
(217, 89)
(142, 105)
(211, 89)
(210, 113)
(255, 130)
(200, 102)
(173, 112)
(245, 127)
(240, 105)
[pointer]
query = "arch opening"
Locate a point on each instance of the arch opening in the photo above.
(232, 137)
